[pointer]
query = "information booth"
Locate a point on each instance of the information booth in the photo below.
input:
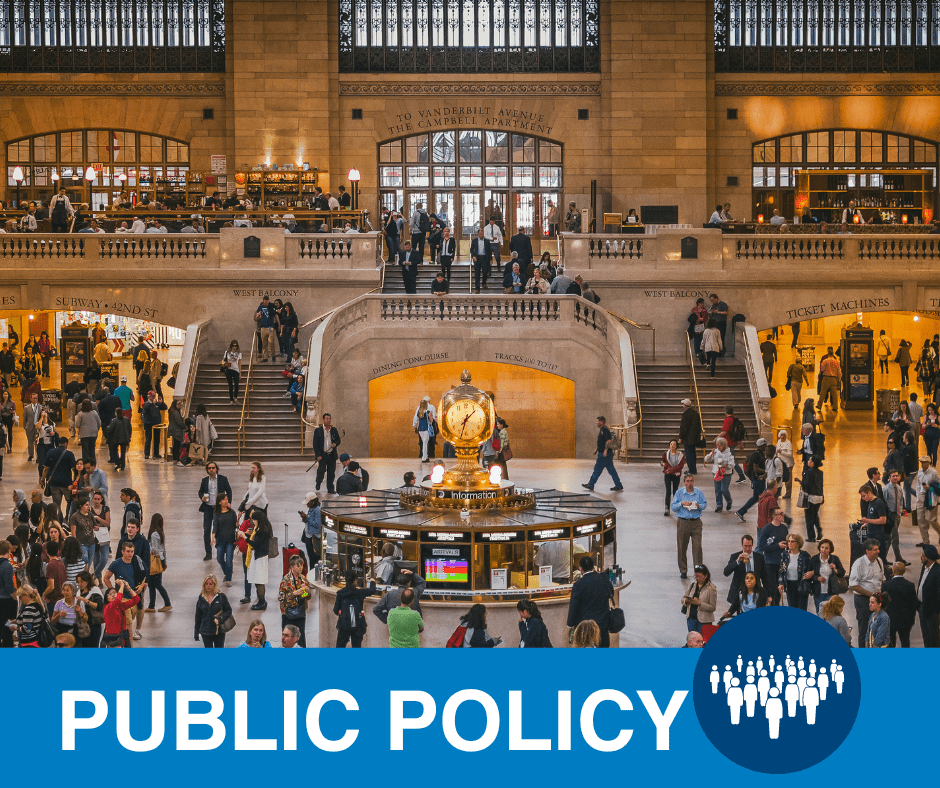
(472, 536)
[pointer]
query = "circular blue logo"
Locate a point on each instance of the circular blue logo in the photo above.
(772, 680)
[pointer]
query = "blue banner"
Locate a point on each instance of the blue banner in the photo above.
(772, 693)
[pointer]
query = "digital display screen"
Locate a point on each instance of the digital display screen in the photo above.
(446, 570)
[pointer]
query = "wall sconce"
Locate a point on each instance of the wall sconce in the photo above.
(90, 174)
(903, 218)
(760, 218)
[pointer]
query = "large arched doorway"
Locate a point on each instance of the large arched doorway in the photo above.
(469, 175)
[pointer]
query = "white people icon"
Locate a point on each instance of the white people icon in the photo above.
(785, 690)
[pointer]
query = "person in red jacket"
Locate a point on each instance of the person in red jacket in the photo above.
(726, 434)
(115, 634)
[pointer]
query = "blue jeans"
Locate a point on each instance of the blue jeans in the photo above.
(225, 551)
(821, 600)
(721, 492)
(88, 555)
(104, 558)
(600, 465)
(757, 486)
(694, 625)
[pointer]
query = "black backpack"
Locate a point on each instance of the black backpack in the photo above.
(424, 223)
(737, 433)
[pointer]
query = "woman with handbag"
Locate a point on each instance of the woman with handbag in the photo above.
(45, 435)
(93, 600)
(697, 319)
(232, 369)
(213, 615)
(828, 574)
(425, 415)
(206, 434)
(157, 564)
(8, 416)
(44, 346)
(785, 452)
(292, 597)
(926, 368)
(255, 498)
(700, 600)
(711, 344)
(256, 557)
(722, 461)
(811, 497)
(931, 431)
(672, 462)
(176, 427)
(796, 573)
(505, 450)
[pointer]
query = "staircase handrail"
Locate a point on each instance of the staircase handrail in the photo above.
(639, 409)
(640, 326)
(749, 351)
(698, 404)
(245, 397)
(190, 358)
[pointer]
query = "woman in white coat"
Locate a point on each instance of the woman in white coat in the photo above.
(424, 422)
(722, 461)
(711, 344)
(785, 453)
(256, 498)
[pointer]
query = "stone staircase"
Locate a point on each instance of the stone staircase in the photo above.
(460, 279)
(663, 385)
(272, 427)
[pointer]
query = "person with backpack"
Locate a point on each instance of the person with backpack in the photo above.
(755, 468)
(419, 227)
(351, 621)
(151, 417)
(532, 630)
(476, 635)
(734, 431)
(60, 211)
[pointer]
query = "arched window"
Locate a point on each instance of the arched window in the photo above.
(149, 163)
(447, 36)
(820, 36)
(864, 153)
(128, 36)
(470, 174)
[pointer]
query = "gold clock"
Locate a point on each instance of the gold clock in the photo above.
(467, 415)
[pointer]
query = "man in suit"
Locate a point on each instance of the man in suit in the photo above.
(480, 254)
(448, 252)
(928, 594)
(325, 440)
(211, 489)
(590, 600)
(811, 444)
(742, 562)
(521, 244)
(31, 411)
(409, 262)
(903, 608)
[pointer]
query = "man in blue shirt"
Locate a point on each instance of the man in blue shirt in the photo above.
(605, 457)
(688, 505)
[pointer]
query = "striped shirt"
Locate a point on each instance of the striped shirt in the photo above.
(28, 622)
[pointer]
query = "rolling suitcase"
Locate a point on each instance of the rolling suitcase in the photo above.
(289, 551)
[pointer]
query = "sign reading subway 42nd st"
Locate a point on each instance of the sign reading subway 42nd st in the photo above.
(107, 305)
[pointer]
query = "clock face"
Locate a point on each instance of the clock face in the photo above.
(465, 420)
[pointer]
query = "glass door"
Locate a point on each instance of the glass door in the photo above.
(495, 207)
(444, 209)
(471, 218)
(526, 218)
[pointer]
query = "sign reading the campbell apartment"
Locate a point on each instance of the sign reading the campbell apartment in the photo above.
(489, 117)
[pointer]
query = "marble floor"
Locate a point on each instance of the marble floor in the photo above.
(646, 539)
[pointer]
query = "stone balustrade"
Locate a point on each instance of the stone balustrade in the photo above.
(712, 251)
(266, 248)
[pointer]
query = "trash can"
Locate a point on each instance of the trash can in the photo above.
(52, 402)
(888, 401)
